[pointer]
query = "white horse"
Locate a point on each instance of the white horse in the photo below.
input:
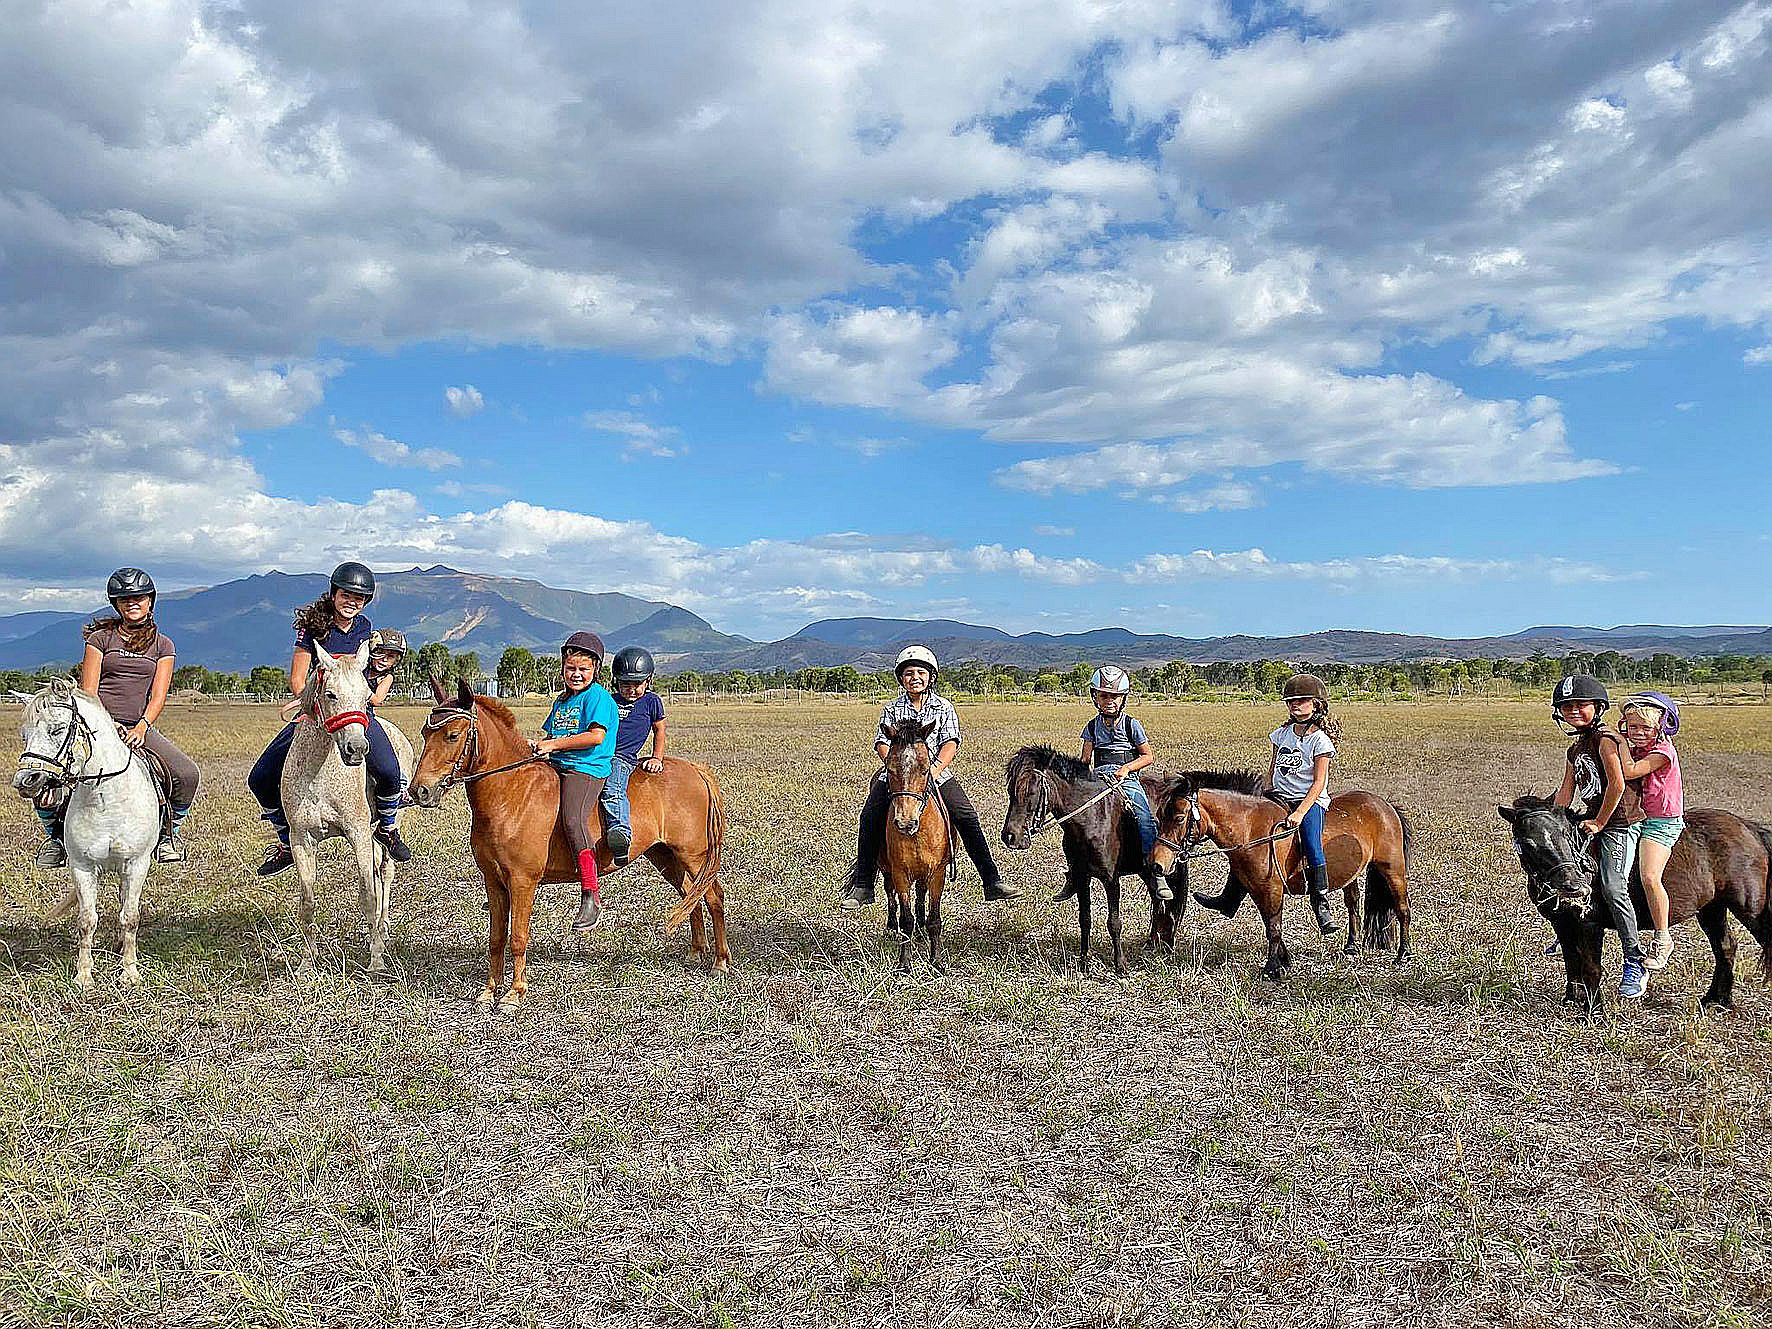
(113, 818)
(325, 793)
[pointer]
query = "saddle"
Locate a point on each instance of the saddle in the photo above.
(162, 778)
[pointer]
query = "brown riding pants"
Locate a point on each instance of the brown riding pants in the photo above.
(578, 795)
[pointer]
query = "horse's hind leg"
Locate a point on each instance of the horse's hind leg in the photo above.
(135, 876)
(933, 923)
(86, 919)
(1714, 919)
(1350, 896)
(1272, 903)
(715, 903)
(1085, 925)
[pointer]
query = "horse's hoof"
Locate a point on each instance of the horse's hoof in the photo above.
(130, 977)
(84, 982)
(1351, 950)
(1402, 961)
(486, 998)
(722, 967)
(1715, 1006)
(510, 1003)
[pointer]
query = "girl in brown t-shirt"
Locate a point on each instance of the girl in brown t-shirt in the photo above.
(128, 665)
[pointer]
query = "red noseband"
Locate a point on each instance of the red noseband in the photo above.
(344, 720)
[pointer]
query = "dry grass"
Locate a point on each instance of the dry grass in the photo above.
(813, 1141)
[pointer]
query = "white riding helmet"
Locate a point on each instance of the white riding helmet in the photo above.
(916, 655)
(1110, 679)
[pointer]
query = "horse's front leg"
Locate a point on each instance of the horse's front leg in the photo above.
(1350, 895)
(1085, 925)
(375, 919)
(134, 877)
(1271, 900)
(85, 919)
(522, 900)
(498, 926)
(934, 925)
(304, 850)
(1112, 887)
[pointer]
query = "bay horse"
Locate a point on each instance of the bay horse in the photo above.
(72, 750)
(679, 826)
(1361, 833)
(1101, 841)
(1719, 866)
(918, 849)
(325, 794)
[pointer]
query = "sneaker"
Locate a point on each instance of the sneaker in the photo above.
(590, 910)
(619, 843)
(277, 859)
(51, 854)
(1636, 980)
(398, 849)
(997, 891)
(1661, 950)
(1066, 892)
(169, 850)
(1165, 892)
(1555, 948)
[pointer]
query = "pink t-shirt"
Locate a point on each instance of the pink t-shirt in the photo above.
(1663, 794)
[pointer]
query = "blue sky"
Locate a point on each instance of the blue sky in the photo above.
(1434, 317)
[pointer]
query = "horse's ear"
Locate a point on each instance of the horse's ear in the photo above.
(464, 694)
(926, 729)
(437, 690)
(324, 657)
(889, 732)
(363, 656)
(16, 695)
(1509, 815)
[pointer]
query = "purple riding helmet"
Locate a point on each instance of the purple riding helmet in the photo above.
(1670, 710)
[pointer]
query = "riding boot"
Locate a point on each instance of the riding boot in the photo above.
(1316, 878)
(1066, 892)
(388, 832)
(170, 849)
(870, 839)
(51, 854)
(620, 842)
(590, 906)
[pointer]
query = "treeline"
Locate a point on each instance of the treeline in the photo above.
(1178, 678)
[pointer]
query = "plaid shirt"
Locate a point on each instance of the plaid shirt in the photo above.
(939, 709)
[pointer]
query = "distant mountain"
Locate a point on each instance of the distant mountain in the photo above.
(246, 622)
(242, 623)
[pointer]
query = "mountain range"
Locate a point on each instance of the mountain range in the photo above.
(246, 622)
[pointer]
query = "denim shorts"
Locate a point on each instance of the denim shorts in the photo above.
(1662, 830)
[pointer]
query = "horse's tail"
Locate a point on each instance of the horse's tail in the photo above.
(1379, 908)
(64, 906)
(1763, 933)
(703, 880)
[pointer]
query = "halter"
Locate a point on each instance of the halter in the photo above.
(441, 716)
(68, 765)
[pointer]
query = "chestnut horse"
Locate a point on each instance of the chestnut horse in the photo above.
(918, 847)
(514, 797)
(1361, 833)
(1719, 867)
(1101, 843)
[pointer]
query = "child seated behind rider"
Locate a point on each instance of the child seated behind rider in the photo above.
(1594, 786)
(1298, 773)
(1116, 748)
(578, 739)
(127, 664)
(335, 622)
(387, 647)
(917, 670)
(642, 720)
(1650, 720)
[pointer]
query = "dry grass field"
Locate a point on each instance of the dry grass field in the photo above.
(813, 1141)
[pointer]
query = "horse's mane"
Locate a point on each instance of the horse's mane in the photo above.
(1534, 803)
(57, 690)
(1236, 781)
(497, 709)
(1041, 757)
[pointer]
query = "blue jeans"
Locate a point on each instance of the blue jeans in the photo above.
(265, 780)
(1310, 836)
(1139, 804)
(614, 798)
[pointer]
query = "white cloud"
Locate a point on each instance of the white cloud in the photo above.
(464, 401)
(857, 357)
(641, 437)
(1758, 355)
(391, 452)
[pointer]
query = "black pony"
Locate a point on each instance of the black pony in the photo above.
(1719, 867)
(1101, 840)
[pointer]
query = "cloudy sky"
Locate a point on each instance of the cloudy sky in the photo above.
(1194, 317)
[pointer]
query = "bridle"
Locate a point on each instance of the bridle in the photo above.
(68, 765)
(1578, 868)
(1043, 820)
(1191, 837)
(461, 769)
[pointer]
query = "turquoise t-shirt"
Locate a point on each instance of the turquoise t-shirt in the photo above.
(577, 712)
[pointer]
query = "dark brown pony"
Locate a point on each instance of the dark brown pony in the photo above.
(918, 846)
(1719, 867)
(678, 825)
(1100, 841)
(1361, 833)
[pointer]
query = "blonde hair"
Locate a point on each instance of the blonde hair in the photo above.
(1647, 709)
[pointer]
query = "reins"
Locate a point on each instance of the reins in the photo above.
(441, 716)
(1045, 821)
(61, 766)
(1184, 846)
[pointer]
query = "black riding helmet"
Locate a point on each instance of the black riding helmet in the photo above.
(355, 578)
(127, 582)
(633, 664)
(1578, 687)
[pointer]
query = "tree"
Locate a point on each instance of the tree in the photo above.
(434, 662)
(187, 677)
(468, 670)
(267, 682)
(517, 670)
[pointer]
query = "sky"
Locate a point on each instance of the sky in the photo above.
(1187, 317)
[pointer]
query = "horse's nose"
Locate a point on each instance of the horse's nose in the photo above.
(29, 782)
(420, 794)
